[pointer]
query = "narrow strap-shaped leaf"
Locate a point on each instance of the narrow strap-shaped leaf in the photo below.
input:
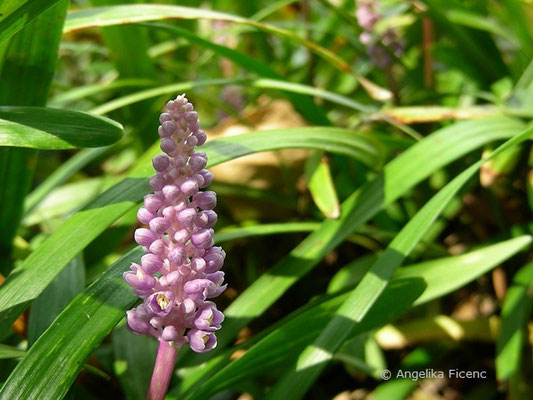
(18, 18)
(40, 268)
(56, 358)
(61, 175)
(29, 60)
(398, 176)
(515, 315)
(132, 62)
(65, 98)
(127, 14)
(285, 342)
(263, 83)
(55, 298)
(232, 233)
(10, 352)
(305, 105)
(54, 129)
(134, 356)
(316, 356)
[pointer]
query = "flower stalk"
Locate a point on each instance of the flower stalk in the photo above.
(163, 368)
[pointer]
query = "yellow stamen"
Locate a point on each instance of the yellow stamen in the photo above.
(163, 301)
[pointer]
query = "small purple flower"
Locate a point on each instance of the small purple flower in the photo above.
(201, 341)
(378, 46)
(180, 267)
(208, 318)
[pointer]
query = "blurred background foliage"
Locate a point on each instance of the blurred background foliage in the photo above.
(435, 85)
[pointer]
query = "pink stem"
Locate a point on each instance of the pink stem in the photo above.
(163, 368)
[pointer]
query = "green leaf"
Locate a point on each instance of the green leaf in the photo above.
(66, 199)
(262, 83)
(134, 359)
(13, 19)
(61, 175)
(316, 356)
(306, 106)
(10, 352)
(55, 298)
(53, 362)
(515, 314)
(29, 60)
(127, 14)
(292, 336)
(284, 341)
(444, 275)
(321, 186)
(64, 98)
(400, 175)
(51, 129)
(29, 279)
(352, 273)
(481, 22)
(520, 25)
(132, 62)
(231, 233)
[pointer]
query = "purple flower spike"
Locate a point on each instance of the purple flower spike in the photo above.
(180, 268)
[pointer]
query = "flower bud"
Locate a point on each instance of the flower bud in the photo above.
(197, 162)
(189, 187)
(144, 216)
(169, 127)
(136, 324)
(158, 248)
(152, 203)
(171, 193)
(170, 334)
(177, 256)
(202, 238)
(157, 182)
(187, 217)
(182, 236)
(144, 236)
(160, 162)
(201, 137)
(159, 225)
(207, 175)
(151, 263)
(165, 117)
(206, 200)
(198, 264)
(168, 146)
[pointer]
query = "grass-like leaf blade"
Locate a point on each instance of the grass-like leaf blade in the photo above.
(285, 342)
(53, 129)
(316, 356)
(514, 318)
(56, 358)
